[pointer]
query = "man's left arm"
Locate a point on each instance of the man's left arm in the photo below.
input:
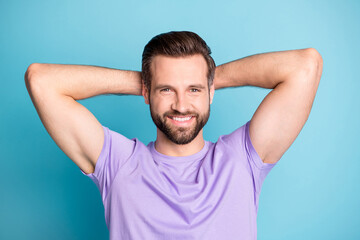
(294, 76)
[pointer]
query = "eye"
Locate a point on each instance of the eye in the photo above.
(165, 90)
(194, 90)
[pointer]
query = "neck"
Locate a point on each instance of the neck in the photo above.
(164, 146)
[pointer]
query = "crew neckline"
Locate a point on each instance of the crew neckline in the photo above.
(166, 158)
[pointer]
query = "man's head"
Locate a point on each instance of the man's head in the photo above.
(176, 44)
(177, 74)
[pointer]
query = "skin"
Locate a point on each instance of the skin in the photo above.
(293, 76)
(179, 87)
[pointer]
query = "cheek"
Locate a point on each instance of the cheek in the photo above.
(160, 105)
(204, 103)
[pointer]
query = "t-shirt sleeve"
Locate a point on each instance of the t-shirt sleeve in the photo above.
(240, 140)
(115, 151)
(259, 168)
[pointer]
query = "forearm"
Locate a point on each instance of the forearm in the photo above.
(264, 70)
(83, 81)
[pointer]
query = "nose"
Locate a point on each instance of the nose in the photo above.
(180, 103)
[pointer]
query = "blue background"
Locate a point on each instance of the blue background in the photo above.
(312, 193)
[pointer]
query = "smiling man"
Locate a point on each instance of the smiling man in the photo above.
(179, 186)
(180, 103)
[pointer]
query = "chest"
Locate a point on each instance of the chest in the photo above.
(188, 195)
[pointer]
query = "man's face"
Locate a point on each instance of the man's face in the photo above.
(179, 98)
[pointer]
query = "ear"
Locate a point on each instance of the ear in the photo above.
(212, 92)
(145, 93)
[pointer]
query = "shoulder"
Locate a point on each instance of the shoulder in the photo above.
(235, 138)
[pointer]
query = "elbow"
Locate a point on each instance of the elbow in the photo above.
(314, 63)
(31, 76)
(315, 58)
(31, 72)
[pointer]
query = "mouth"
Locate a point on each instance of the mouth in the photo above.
(181, 121)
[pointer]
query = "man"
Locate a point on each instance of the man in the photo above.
(179, 186)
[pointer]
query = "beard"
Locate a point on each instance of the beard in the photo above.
(176, 134)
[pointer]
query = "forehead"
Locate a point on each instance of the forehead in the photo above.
(179, 70)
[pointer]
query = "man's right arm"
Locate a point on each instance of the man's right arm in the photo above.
(54, 89)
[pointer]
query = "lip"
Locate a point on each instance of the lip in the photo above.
(184, 123)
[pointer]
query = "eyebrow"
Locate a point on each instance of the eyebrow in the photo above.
(200, 86)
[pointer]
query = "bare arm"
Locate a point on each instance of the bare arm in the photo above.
(54, 89)
(83, 81)
(294, 76)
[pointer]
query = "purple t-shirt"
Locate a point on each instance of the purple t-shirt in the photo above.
(212, 194)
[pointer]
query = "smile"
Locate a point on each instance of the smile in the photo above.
(181, 121)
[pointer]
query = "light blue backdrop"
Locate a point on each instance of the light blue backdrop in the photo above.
(313, 192)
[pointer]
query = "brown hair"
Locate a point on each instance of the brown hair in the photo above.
(176, 44)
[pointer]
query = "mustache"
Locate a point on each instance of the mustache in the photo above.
(174, 114)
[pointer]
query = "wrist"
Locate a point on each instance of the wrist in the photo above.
(218, 77)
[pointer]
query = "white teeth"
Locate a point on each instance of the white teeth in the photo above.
(181, 119)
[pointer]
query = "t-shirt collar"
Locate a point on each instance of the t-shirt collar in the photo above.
(166, 158)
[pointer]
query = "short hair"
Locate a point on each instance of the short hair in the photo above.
(176, 44)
